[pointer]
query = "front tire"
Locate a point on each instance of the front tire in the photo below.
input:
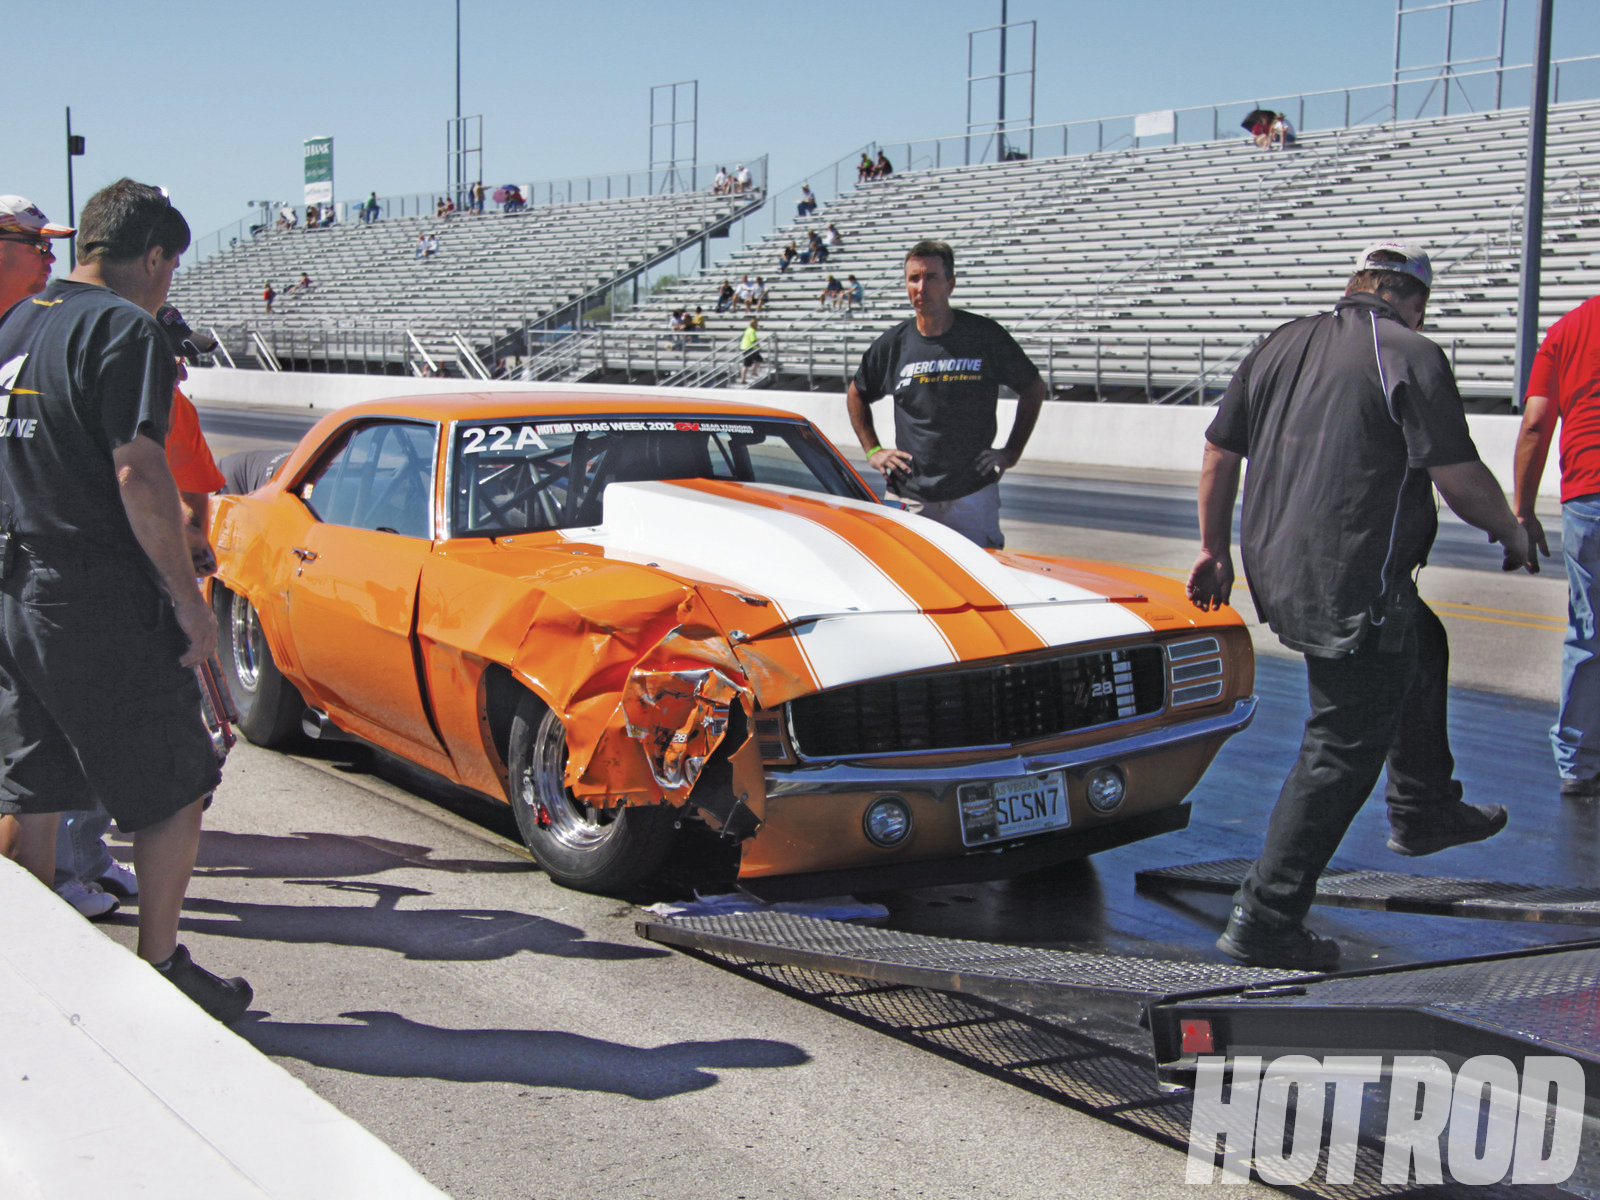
(269, 705)
(604, 850)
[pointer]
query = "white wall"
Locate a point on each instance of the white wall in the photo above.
(1139, 436)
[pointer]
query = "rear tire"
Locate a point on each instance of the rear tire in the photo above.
(604, 850)
(269, 705)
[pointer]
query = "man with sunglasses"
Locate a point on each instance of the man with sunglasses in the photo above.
(26, 249)
(100, 619)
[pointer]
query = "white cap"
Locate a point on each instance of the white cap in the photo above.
(21, 215)
(1413, 261)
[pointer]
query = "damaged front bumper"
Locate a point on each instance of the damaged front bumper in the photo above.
(813, 813)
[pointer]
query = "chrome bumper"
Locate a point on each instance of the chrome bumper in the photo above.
(845, 776)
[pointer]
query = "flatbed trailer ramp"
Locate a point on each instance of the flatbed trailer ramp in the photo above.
(968, 1001)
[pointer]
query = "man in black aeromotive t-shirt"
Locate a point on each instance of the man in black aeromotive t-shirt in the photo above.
(101, 623)
(1350, 419)
(944, 368)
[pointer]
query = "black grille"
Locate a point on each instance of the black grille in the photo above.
(984, 706)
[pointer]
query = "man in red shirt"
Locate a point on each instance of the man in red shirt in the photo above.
(1564, 388)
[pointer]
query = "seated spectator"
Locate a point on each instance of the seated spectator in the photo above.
(421, 248)
(1281, 135)
(883, 168)
(743, 294)
(833, 239)
(698, 321)
(855, 295)
(327, 216)
(289, 217)
(786, 259)
(313, 216)
(725, 296)
(514, 201)
(303, 286)
(722, 184)
(438, 207)
(864, 168)
(818, 253)
(808, 202)
(758, 294)
(1261, 132)
(680, 323)
(832, 295)
(433, 245)
(741, 181)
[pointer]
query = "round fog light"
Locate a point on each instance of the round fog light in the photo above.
(887, 821)
(1105, 788)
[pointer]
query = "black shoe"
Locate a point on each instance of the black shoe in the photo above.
(1431, 830)
(1581, 789)
(1294, 947)
(224, 999)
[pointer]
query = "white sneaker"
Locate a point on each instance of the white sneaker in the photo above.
(119, 880)
(87, 898)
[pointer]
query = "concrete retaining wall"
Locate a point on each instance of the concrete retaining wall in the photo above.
(1134, 436)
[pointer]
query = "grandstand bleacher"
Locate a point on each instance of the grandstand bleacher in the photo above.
(1128, 274)
(370, 293)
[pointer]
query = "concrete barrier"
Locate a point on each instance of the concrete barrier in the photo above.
(114, 1084)
(1131, 436)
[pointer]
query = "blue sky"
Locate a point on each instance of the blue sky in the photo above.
(213, 100)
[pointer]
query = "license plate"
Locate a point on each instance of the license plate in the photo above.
(1012, 808)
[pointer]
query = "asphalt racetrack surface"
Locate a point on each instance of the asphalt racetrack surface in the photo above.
(512, 1039)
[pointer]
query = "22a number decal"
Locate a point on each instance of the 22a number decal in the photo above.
(499, 438)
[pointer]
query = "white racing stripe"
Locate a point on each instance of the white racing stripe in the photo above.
(866, 625)
(1086, 616)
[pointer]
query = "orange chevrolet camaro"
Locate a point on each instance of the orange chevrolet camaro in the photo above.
(626, 616)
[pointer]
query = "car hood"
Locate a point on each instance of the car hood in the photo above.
(826, 590)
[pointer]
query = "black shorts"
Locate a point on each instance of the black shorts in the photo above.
(94, 706)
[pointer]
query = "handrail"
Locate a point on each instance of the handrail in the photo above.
(427, 358)
(468, 357)
(220, 348)
(264, 352)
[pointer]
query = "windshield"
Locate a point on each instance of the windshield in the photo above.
(526, 476)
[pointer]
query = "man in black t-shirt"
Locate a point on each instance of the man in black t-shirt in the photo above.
(101, 623)
(944, 368)
(1349, 419)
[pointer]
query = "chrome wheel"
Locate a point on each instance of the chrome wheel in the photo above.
(244, 631)
(573, 824)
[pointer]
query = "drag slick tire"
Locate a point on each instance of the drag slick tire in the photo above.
(269, 705)
(608, 850)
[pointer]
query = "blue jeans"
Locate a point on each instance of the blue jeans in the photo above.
(1575, 736)
(80, 846)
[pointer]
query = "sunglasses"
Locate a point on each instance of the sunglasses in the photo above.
(41, 245)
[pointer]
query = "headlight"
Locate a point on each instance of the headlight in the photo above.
(1105, 788)
(887, 821)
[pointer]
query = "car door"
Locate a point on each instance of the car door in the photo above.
(353, 591)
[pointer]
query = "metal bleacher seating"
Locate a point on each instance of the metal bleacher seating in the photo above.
(492, 273)
(1138, 270)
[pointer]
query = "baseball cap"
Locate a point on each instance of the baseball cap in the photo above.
(1415, 262)
(22, 215)
(185, 342)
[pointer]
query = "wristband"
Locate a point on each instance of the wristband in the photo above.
(873, 451)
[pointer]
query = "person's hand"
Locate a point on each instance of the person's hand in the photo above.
(205, 562)
(199, 625)
(996, 462)
(1210, 581)
(1518, 551)
(890, 461)
(1535, 531)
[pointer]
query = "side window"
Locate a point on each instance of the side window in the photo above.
(381, 478)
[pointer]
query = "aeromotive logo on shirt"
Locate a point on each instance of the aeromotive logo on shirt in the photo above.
(14, 426)
(1485, 1122)
(941, 370)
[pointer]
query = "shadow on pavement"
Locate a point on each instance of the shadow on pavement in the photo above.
(387, 1044)
(259, 855)
(446, 934)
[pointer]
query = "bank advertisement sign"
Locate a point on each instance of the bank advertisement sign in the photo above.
(319, 170)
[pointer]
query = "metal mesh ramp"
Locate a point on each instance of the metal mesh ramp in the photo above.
(916, 960)
(1389, 891)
